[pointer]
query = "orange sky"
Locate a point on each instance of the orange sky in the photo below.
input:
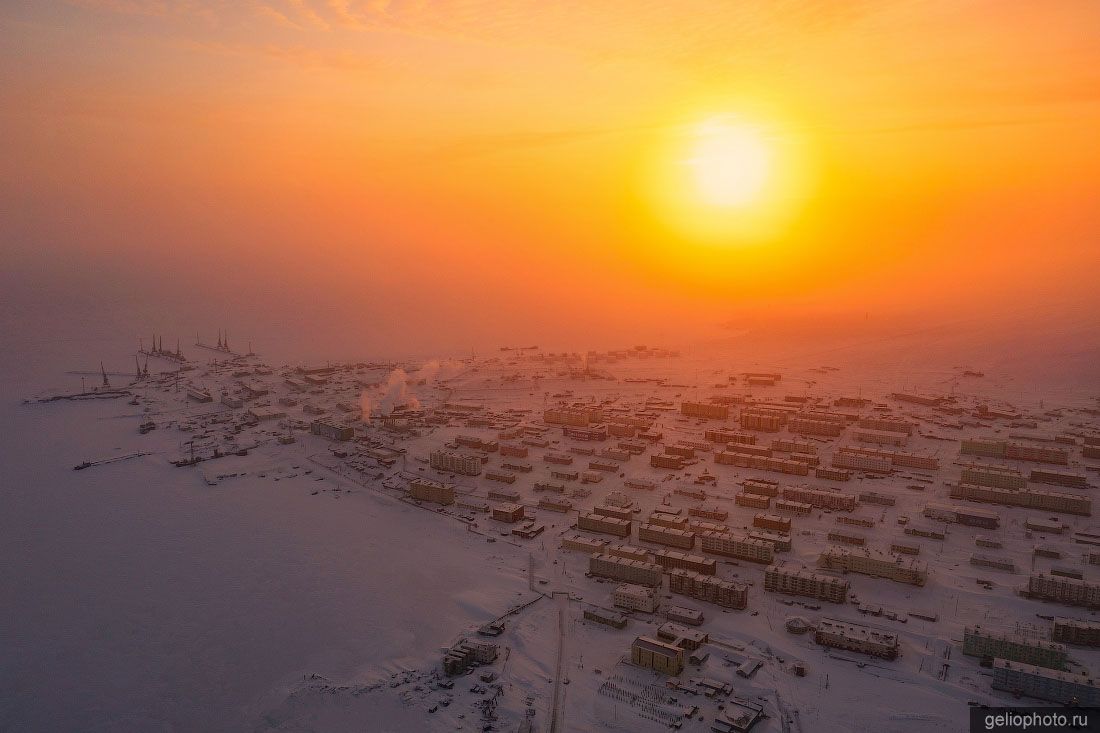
(489, 164)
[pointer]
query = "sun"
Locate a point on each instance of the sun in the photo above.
(726, 179)
(730, 163)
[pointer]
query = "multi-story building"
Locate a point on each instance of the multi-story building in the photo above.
(798, 508)
(1071, 591)
(862, 462)
(772, 522)
(847, 538)
(874, 497)
(739, 546)
(630, 552)
(1001, 477)
(856, 638)
(496, 474)
(424, 489)
(855, 520)
(1059, 478)
(879, 437)
(794, 446)
(670, 559)
(639, 572)
(729, 436)
(978, 642)
(657, 655)
(510, 513)
(1036, 453)
(996, 562)
(892, 425)
(799, 581)
(705, 410)
(1076, 631)
(742, 459)
(875, 563)
(513, 450)
(1049, 501)
(835, 500)
(709, 512)
(683, 539)
(593, 522)
(580, 543)
(962, 515)
(462, 463)
(635, 598)
(555, 504)
(811, 426)
(578, 417)
(666, 460)
(669, 519)
(592, 432)
(763, 422)
(708, 588)
(1052, 685)
(832, 474)
(754, 501)
(897, 458)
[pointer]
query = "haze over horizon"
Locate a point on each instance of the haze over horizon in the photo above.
(432, 177)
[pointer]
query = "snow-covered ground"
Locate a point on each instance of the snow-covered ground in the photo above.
(141, 596)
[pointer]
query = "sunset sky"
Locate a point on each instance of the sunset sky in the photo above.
(502, 168)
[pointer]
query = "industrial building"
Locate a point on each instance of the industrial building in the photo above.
(708, 588)
(978, 642)
(730, 545)
(1028, 680)
(875, 563)
(605, 565)
(461, 463)
(856, 638)
(799, 581)
(635, 598)
(331, 430)
(467, 653)
(607, 618)
(657, 655)
(424, 489)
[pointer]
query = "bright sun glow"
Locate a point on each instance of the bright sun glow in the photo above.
(730, 163)
(728, 180)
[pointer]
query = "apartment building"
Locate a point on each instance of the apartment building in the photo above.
(856, 638)
(424, 489)
(635, 598)
(452, 462)
(835, 500)
(638, 572)
(799, 581)
(708, 588)
(738, 546)
(875, 563)
(979, 642)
